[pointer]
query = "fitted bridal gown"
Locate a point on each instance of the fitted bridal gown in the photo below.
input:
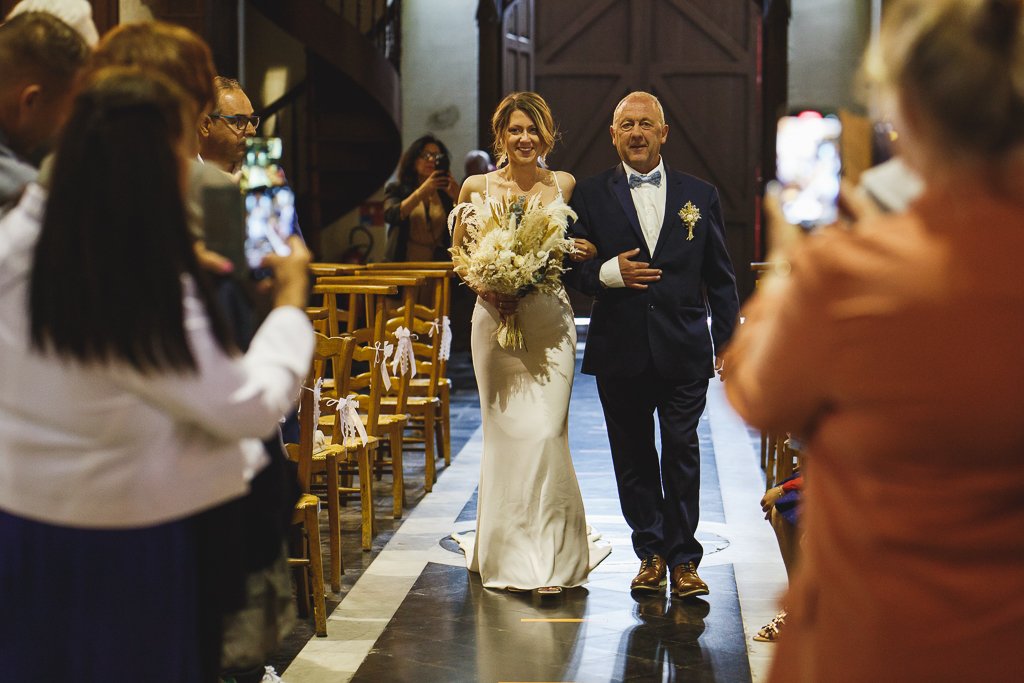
(531, 527)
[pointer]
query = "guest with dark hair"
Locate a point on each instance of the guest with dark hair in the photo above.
(416, 207)
(260, 519)
(894, 350)
(40, 60)
(127, 419)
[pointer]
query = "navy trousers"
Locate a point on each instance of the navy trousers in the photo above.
(659, 494)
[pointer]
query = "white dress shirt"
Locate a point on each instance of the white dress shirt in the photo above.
(104, 446)
(650, 209)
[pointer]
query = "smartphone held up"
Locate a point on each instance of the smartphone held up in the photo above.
(269, 202)
(808, 168)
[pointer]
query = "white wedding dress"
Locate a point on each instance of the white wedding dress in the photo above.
(531, 529)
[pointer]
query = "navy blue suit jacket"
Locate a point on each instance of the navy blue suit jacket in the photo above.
(667, 323)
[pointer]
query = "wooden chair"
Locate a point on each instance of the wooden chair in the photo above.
(389, 423)
(425, 409)
(318, 317)
(319, 269)
(410, 265)
(309, 557)
(781, 459)
(435, 316)
(368, 386)
(328, 459)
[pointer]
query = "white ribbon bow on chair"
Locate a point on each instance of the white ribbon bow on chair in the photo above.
(446, 338)
(445, 328)
(348, 415)
(385, 349)
(405, 357)
(317, 389)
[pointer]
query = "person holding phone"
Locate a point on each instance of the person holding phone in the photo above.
(416, 207)
(894, 351)
(129, 422)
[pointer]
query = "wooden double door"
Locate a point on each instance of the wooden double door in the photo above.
(700, 57)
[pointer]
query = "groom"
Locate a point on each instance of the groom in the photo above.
(661, 269)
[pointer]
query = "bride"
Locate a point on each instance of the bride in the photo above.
(531, 531)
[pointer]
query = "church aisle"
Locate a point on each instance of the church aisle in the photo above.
(416, 614)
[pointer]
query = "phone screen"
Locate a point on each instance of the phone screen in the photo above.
(808, 168)
(269, 203)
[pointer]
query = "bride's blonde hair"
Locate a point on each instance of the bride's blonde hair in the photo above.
(534, 106)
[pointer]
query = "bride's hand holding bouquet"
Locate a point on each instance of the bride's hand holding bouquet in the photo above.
(511, 246)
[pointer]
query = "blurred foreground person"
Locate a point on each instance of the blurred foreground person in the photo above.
(75, 13)
(895, 349)
(126, 418)
(40, 61)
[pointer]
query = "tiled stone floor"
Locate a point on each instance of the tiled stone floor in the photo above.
(409, 611)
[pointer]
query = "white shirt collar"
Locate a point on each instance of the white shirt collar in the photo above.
(660, 167)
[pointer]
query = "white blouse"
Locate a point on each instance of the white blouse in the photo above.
(91, 445)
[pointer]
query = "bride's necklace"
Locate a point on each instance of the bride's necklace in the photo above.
(514, 186)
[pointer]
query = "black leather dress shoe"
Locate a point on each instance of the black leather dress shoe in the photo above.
(651, 576)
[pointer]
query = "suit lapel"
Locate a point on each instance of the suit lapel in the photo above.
(673, 200)
(620, 188)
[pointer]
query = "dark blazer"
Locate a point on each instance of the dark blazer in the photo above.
(667, 322)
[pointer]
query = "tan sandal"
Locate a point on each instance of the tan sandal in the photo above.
(769, 633)
(550, 590)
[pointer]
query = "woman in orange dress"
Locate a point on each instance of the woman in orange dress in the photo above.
(894, 349)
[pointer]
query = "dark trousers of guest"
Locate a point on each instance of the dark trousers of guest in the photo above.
(660, 496)
(104, 604)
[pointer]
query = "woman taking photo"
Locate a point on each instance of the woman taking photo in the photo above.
(894, 349)
(125, 415)
(416, 207)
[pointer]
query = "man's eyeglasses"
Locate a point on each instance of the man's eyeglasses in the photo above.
(238, 121)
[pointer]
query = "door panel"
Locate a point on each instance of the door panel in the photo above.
(698, 56)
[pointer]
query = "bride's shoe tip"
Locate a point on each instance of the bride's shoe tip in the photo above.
(550, 590)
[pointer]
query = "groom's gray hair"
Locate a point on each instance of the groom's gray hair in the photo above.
(641, 93)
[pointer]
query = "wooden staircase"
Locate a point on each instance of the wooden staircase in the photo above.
(352, 101)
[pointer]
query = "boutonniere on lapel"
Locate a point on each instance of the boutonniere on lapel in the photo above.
(690, 215)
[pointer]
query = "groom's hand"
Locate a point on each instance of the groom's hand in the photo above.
(636, 274)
